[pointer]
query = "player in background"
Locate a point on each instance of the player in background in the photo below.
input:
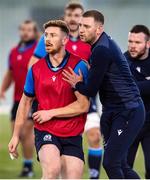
(72, 16)
(138, 56)
(16, 74)
(59, 121)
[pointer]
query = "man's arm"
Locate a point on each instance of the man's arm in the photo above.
(22, 114)
(100, 62)
(80, 106)
(6, 82)
(101, 58)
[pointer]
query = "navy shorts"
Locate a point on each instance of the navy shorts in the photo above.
(71, 146)
(15, 108)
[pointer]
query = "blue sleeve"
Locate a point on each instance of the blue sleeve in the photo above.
(40, 51)
(82, 65)
(29, 84)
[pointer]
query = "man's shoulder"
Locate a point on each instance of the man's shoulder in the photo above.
(39, 63)
(103, 41)
(14, 49)
(100, 50)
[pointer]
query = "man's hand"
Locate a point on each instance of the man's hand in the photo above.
(12, 146)
(43, 116)
(71, 77)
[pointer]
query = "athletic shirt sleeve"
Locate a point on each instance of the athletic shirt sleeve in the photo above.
(82, 65)
(100, 60)
(29, 84)
(40, 51)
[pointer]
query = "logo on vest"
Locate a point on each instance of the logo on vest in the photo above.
(19, 57)
(53, 78)
(74, 47)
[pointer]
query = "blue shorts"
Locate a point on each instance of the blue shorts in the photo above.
(71, 146)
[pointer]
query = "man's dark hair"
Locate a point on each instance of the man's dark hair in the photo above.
(98, 16)
(73, 6)
(57, 23)
(141, 29)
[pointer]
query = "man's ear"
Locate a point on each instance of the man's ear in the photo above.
(99, 29)
(148, 44)
(65, 40)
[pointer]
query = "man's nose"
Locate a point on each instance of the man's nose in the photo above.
(81, 29)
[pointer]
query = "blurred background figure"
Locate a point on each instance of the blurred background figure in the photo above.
(16, 74)
(138, 56)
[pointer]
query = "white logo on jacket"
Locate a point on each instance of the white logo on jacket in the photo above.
(119, 131)
(138, 69)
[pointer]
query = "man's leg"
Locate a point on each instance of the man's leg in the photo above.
(132, 152)
(49, 157)
(124, 126)
(27, 141)
(72, 157)
(92, 132)
(72, 167)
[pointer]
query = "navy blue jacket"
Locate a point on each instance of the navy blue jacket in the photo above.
(141, 72)
(110, 76)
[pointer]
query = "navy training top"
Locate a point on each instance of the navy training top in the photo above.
(110, 76)
(141, 72)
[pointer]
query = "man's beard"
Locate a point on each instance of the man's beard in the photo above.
(141, 54)
(73, 29)
(54, 51)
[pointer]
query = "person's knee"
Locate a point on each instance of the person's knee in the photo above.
(93, 137)
(50, 172)
(75, 173)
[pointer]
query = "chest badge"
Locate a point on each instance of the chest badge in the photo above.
(74, 47)
(138, 69)
(19, 57)
(53, 78)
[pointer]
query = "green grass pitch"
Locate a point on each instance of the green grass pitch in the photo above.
(10, 169)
